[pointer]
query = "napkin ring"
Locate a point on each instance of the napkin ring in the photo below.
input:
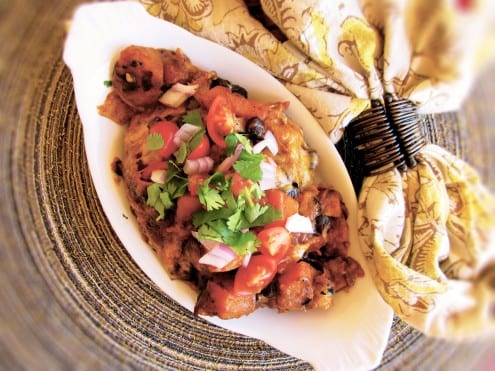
(387, 136)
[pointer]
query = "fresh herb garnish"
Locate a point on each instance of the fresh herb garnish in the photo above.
(154, 141)
(248, 165)
(107, 83)
(209, 192)
(193, 118)
(181, 153)
(161, 196)
(227, 219)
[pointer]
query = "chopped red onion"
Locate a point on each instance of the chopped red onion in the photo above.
(219, 256)
(199, 165)
(185, 133)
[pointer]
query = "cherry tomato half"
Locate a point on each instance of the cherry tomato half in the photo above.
(254, 277)
(202, 150)
(167, 130)
(275, 242)
(220, 121)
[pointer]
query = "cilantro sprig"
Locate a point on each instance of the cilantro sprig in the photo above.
(194, 118)
(227, 218)
(161, 196)
(154, 141)
(248, 165)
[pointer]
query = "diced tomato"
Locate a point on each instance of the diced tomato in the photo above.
(220, 121)
(167, 130)
(187, 205)
(226, 303)
(157, 165)
(239, 183)
(281, 201)
(254, 277)
(202, 150)
(275, 242)
(195, 180)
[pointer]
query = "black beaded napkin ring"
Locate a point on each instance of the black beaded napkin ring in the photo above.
(387, 136)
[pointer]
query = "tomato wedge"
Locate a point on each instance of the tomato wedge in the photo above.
(202, 150)
(275, 242)
(220, 121)
(167, 130)
(254, 277)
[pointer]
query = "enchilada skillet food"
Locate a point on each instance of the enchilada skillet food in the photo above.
(224, 189)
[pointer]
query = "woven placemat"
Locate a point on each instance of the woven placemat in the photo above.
(71, 297)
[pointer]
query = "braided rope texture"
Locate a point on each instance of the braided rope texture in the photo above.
(71, 295)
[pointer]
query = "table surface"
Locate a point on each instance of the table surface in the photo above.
(66, 305)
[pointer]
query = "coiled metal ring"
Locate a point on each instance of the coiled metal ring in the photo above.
(387, 136)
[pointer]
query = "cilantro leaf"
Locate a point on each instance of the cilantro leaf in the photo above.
(204, 216)
(236, 221)
(153, 194)
(161, 196)
(195, 140)
(210, 198)
(230, 143)
(205, 232)
(194, 118)
(249, 166)
(243, 243)
(210, 192)
(181, 153)
(230, 201)
(253, 212)
(154, 141)
(154, 200)
(269, 215)
(233, 139)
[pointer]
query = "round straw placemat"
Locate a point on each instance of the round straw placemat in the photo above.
(71, 297)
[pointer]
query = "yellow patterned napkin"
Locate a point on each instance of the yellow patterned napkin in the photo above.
(428, 233)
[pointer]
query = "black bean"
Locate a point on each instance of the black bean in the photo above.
(255, 128)
(237, 89)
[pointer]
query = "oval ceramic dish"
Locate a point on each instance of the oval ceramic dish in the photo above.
(354, 332)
